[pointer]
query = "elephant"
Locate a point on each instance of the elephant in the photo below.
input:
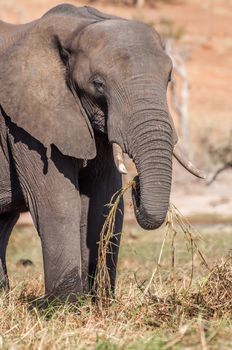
(78, 88)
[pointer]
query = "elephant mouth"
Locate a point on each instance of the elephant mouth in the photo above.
(136, 198)
(96, 110)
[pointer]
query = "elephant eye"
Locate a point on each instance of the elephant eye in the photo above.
(98, 84)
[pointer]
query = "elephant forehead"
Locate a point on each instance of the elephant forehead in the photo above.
(124, 46)
(112, 33)
(128, 62)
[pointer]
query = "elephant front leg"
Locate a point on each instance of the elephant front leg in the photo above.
(7, 222)
(58, 223)
(61, 254)
(52, 195)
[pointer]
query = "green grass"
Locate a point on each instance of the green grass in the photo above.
(135, 321)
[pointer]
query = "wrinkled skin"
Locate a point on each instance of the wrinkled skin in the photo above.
(71, 84)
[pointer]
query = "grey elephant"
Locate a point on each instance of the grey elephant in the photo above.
(78, 88)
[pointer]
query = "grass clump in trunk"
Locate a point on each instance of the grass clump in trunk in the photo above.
(102, 280)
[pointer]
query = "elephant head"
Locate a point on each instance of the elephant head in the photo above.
(69, 75)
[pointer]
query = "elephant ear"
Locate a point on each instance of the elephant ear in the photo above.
(35, 94)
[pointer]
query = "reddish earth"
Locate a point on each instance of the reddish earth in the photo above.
(206, 36)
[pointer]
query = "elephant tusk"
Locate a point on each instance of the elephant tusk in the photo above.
(187, 164)
(118, 159)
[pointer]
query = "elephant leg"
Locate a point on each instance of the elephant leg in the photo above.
(56, 213)
(7, 222)
(99, 181)
(51, 192)
(59, 230)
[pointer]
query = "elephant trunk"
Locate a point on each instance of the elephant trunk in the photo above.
(152, 149)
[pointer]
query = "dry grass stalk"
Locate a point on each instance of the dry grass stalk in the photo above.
(102, 280)
(177, 222)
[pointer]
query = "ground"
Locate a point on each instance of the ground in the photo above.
(134, 322)
(150, 313)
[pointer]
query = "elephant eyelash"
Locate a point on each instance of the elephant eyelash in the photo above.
(98, 84)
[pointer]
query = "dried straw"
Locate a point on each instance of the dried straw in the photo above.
(102, 284)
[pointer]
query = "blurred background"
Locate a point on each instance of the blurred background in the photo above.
(197, 35)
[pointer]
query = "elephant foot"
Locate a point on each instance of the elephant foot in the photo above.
(68, 290)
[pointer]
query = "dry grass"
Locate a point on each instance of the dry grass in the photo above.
(178, 301)
(102, 284)
(134, 317)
